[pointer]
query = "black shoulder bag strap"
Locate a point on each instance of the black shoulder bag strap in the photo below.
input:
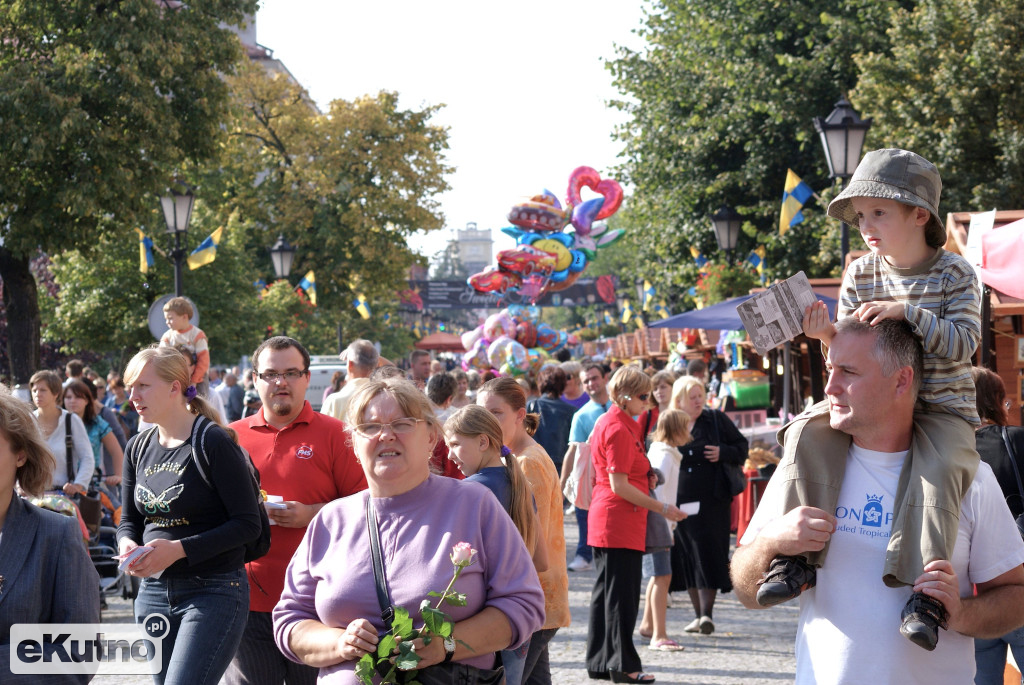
(1013, 461)
(69, 448)
(387, 613)
(647, 424)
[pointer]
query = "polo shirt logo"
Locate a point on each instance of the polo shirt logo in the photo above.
(304, 452)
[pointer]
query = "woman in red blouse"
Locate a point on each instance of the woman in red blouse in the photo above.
(617, 527)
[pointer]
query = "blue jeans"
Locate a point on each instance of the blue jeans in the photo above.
(207, 616)
(990, 656)
(514, 661)
(582, 548)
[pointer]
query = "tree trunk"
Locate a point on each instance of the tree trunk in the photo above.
(21, 300)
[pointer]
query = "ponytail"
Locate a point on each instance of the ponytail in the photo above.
(522, 508)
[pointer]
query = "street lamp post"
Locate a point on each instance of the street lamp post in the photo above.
(842, 135)
(282, 254)
(177, 206)
(726, 223)
(641, 300)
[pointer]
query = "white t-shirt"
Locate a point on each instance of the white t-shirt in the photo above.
(849, 622)
(666, 459)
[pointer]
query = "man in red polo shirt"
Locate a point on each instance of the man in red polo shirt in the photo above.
(305, 458)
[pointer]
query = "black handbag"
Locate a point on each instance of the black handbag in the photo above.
(451, 673)
(734, 475)
(1020, 488)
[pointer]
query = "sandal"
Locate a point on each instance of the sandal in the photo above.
(666, 646)
(641, 677)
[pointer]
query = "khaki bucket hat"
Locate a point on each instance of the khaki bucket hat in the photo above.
(894, 174)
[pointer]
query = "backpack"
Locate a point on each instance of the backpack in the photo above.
(254, 549)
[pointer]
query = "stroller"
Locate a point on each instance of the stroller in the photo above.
(98, 524)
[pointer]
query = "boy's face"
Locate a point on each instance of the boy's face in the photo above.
(177, 322)
(891, 228)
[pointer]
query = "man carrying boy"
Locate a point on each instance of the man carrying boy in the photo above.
(846, 625)
(893, 199)
(181, 333)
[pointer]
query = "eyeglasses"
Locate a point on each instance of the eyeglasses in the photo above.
(642, 398)
(273, 376)
(398, 427)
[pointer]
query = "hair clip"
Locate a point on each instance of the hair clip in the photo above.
(190, 393)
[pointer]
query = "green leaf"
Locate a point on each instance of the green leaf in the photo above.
(402, 623)
(365, 669)
(456, 599)
(435, 620)
(407, 658)
(386, 646)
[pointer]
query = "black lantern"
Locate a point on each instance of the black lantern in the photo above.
(282, 254)
(842, 135)
(726, 223)
(177, 207)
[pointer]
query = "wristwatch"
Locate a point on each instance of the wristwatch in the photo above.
(449, 648)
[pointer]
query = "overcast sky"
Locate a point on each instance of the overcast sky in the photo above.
(523, 83)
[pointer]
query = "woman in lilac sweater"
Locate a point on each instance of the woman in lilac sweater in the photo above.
(328, 615)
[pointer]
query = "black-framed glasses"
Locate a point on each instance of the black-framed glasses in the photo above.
(274, 376)
(398, 427)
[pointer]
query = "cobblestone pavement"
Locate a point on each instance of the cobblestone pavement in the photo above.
(747, 647)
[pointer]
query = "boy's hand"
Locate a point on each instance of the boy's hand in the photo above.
(874, 312)
(817, 324)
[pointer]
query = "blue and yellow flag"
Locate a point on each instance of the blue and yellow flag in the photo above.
(262, 286)
(417, 329)
(662, 310)
(308, 283)
(794, 196)
(627, 311)
(363, 307)
(145, 251)
(207, 250)
(648, 299)
(700, 260)
(756, 260)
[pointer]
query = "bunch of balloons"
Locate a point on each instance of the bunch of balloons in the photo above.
(513, 342)
(553, 244)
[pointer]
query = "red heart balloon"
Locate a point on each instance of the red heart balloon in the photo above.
(609, 189)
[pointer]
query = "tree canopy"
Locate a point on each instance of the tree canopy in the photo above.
(100, 104)
(344, 188)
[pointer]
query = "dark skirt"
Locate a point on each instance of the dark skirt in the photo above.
(700, 555)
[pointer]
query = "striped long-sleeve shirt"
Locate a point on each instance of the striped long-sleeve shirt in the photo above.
(941, 301)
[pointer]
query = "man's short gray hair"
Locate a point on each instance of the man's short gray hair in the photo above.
(362, 354)
(896, 345)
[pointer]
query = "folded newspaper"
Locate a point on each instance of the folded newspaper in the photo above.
(776, 315)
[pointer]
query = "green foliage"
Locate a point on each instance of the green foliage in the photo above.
(949, 89)
(345, 190)
(721, 101)
(99, 103)
(723, 282)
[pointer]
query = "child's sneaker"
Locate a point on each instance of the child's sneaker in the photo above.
(786, 578)
(922, 617)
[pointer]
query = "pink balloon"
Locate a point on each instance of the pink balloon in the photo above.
(607, 188)
(581, 176)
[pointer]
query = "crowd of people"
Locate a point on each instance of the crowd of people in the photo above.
(358, 513)
(173, 458)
